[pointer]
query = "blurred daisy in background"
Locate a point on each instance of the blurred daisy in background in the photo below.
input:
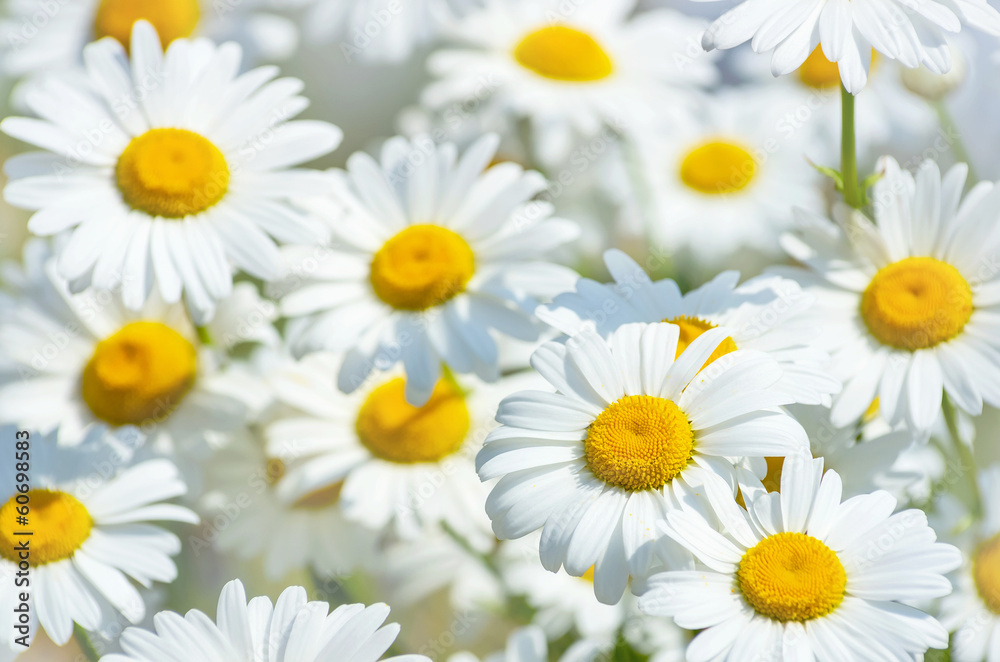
(802, 573)
(907, 305)
(764, 313)
(170, 169)
(630, 435)
(576, 71)
(526, 644)
(261, 631)
(433, 256)
(91, 516)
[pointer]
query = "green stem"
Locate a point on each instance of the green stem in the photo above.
(203, 335)
(853, 195)
(954, 138)
(87, 646)
(968, 462)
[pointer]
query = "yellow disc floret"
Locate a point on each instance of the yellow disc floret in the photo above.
(818, 72)
(718, 168)
(691, 328)
(639, 442)
(792, 577)
(172, 19)
(916, 303)
(562, 53)
(986, 572)
(59, 524)
(139, 374)
(172, 173)
(396, 431)
(421, 267)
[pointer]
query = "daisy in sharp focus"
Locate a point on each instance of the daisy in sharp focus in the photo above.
(170, 169)
(800, 576)
(67, 26)
(908, 304)
(849, 30)
(90, 515)
(290, 630)
(435, 255)
(763, 313)
(572, 69)
(630, 434)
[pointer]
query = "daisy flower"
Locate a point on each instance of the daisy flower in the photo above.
(525, 644)
(907, 305)
(66, 27)
(290, 630)
(972, 612)
(398, 467)
(80, 361)
(170, 168)
(764, 314)
(435, 255)
(91, 531)
(720, 179)
(630, 434)
(799, 575)
(574, 69)
(914, 34)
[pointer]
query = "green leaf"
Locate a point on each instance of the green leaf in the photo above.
(837, 178)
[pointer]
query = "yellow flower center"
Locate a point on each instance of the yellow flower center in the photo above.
(396, 431)
(819, 73)
(58, 524)
(691, 328)
(916, 303)
(639, 442)
(565, 54)
(421, 267)
(792, 577)
(986, 572)
(718, 168)
(173, 19)
(589, 575)
(141, 373)
(172, 173)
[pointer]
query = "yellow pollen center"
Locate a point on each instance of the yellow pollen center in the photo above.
(139, 374)
(639, 442)
(172, 173)
(916, 303)
(59, 524)
(792, 577)
(589, 575)
(819, 73)
(718, 168)
(172, 19)
(396, 431)
(691, 328)
(421, 267)
(986, 572)
(564, 54)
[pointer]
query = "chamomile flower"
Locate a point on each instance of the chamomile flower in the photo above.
(972, 611)
(722, 179)
(45, 37)
(764, 313)
(573, 70)
(169, 167)
(435, 255)
(290, 630)
(849, 31)
(80, 361)
(799, 575)
(90, 518)
(907, 305)
(525, 644)
(631, 434)
(400, 469)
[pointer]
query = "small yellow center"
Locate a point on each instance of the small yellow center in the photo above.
(986, 572)
(916, 303)
(396, 431)
(639, 442)
(691, 328)
(589, 575)
(139, 374)
(820, 74)
(564, 54)
(421, 267)
(58, 524)
(172, 19)
(718, 168)
(172, 173)
(792, 577)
